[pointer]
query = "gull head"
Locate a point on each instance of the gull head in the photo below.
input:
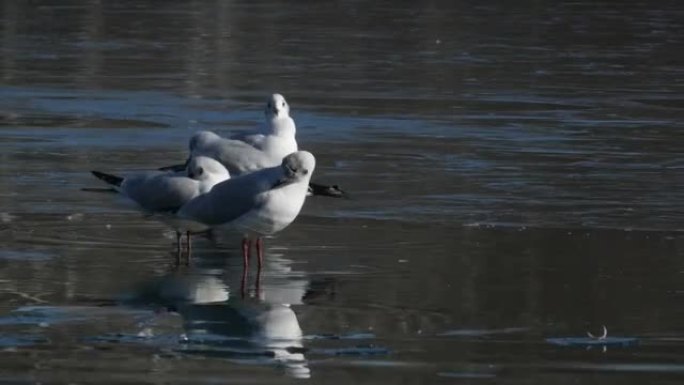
(201, 139)
(276, 107)
(297, 167)
(203, 168)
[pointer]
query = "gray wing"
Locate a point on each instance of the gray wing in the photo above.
(159, 191)
(237, 156)
(248, 136)
(242, 134)
(232, 198)
(254, 140)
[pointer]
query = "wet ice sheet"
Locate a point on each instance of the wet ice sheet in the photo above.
(514, 172)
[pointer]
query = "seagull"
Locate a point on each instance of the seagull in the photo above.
(159, 192)
(253, 151)
(240, 158)
(257, 204)
(277, 136)
(266, 147)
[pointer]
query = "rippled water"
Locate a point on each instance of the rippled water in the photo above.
(515, 172)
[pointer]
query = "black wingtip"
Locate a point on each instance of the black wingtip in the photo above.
(174, 168)
(177, 167)
(108, 178)
(333, 191)
(99, 189)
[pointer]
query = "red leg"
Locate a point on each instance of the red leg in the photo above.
(243, 284)
(257, 285)
(260, 251)
(246, 245)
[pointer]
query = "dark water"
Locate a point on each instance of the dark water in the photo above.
(515, 169)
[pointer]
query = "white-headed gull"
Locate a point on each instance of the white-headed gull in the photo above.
(159, 192)
(256, 204)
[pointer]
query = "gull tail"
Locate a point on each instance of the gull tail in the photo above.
(329, 191)
(99, 190)
(175, 167)
(108, 178)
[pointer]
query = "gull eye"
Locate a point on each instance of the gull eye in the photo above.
(200, 171)
(304, 172)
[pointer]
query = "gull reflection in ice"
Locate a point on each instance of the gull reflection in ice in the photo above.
(221, 319)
